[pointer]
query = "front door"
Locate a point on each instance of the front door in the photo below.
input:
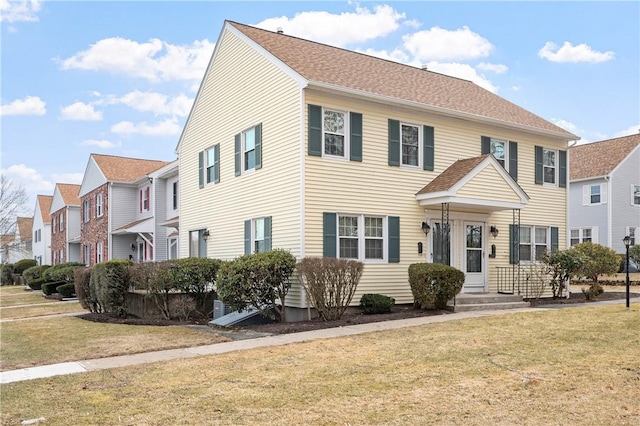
(441, 243)
(474, 258)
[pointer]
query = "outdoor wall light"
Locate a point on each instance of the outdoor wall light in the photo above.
(133, 246)
(425, 228)
(205, 234)
(494, 231)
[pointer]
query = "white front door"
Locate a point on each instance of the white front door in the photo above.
(473, 257)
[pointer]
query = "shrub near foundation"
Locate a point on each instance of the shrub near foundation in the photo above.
(66, 290)
(376, 303)
(82, 285)
(433, 284)
(36, 284)
(52, 287)
(108, 284)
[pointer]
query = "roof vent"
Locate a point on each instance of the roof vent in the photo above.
(424, 67)
(280, 30)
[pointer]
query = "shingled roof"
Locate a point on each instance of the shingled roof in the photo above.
(452, 174)
(25, 228)
(44, 201)
(69, 193)
(125, 169)
(598, 159)
(320, 63)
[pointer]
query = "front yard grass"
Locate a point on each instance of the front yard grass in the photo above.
(17, 295)
(574, 366)
(51, 340)
(52, 307)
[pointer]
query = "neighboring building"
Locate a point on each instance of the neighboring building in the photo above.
(604, 196)
(326, 152)
(18, 245)
(117, 209)
(42, 230)
(65, 233)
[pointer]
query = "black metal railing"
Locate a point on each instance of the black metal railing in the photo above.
(530, 280)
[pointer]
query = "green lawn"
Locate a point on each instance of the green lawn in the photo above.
(575, 366)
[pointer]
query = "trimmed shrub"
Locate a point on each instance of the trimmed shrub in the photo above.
(157, 280)
(66, 290)
(330, 283)
(31, 273)
(6, 274)
(36, 284)
(376, 303)
(21, 265)
(258, 281)
(196, 276)
(81, 281)
(108, 284)
(62, 272)
(598, 260)
(433, 284)
(563, 265)
(593, 291)
(51, 287)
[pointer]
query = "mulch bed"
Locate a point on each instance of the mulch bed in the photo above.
(398, 312)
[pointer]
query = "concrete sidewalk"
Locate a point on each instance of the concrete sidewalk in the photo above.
(238, 345)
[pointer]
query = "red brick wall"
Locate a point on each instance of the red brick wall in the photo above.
(59, 238)
(96, 229)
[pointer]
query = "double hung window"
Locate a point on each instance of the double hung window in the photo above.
(249, 149)
(86, 212)
(99, 205)
(361, 237)
(410, 145)
(334, 131)
(534, 243)
(549, 165)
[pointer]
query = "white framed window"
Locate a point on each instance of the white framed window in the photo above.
(362, 237)
(174, 195)
(334, 133)
(99, 252)
(584, 235)
(499, 149)
(632, 232)
(172, 248)
(197, 243)
(534, 243)
(211, 164)
(61, 256)
(54, 226)
(145, 199)
(549, 169)
(86, 254)
(258, 233)
(61, 222)
(594, 194)
(249, 149)
(86, 212)
(410, 143)
(99, 205)
(635, 195)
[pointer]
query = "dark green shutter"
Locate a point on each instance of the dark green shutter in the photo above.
(201, 169)
(259, 146)
(315, 130)
(562, 172)
(267, 233)
(429, 148)
(216, 162)
(554, 238)
(485, 145)
(247, 237)
(514, 244)
(355, 125)
(394, 142)
(513, 159)
(329, 234)
(538, 151)
(238, 153)
(394, 239)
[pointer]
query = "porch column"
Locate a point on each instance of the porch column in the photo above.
(445, 233)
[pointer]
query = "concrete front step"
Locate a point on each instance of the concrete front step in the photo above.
(480, 302)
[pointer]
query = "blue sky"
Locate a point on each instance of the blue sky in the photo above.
(119, 77)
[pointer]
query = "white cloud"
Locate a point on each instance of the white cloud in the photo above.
(31, 105)
(437, 44)
(397, 55)
(29, 178)
(154, 60)
(463, 71)
(19, 11)
(80, 112)
(570, 53)
(567, 125)
(338, 30)
(75, 178)
(631, 130)
(516, 88)
(497, 68)
(167, 127)
(103, 143)
(156, 103)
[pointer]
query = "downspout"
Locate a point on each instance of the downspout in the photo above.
(607, 179)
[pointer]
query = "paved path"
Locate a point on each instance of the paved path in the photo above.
(274, 340)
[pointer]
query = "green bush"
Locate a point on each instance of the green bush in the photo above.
(36, 284)
(598, 260)
(23, 264)
(593, 291)
(258, 281)
(108, 284)
(66, 290)
(157, 279)
(197, 277)
(82, 286)
(330, 283)
(433, 284)
(31, 273)
(376, 303)
(634, 252)
(51, 287)
(564, 264)
(62, 272)
(6, 274)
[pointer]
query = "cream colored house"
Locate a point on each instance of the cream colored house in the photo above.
(327, 152)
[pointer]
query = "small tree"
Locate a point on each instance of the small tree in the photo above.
(598, 260)
(563, 265)
(156, 278)
(13, 203)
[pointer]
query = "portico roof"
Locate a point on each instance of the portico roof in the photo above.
(474, 184)
(137, 227)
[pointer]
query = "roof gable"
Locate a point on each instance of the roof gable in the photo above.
(598, 159)
(43, 207)
(25, 228)
(352, 71)
(65, 194)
